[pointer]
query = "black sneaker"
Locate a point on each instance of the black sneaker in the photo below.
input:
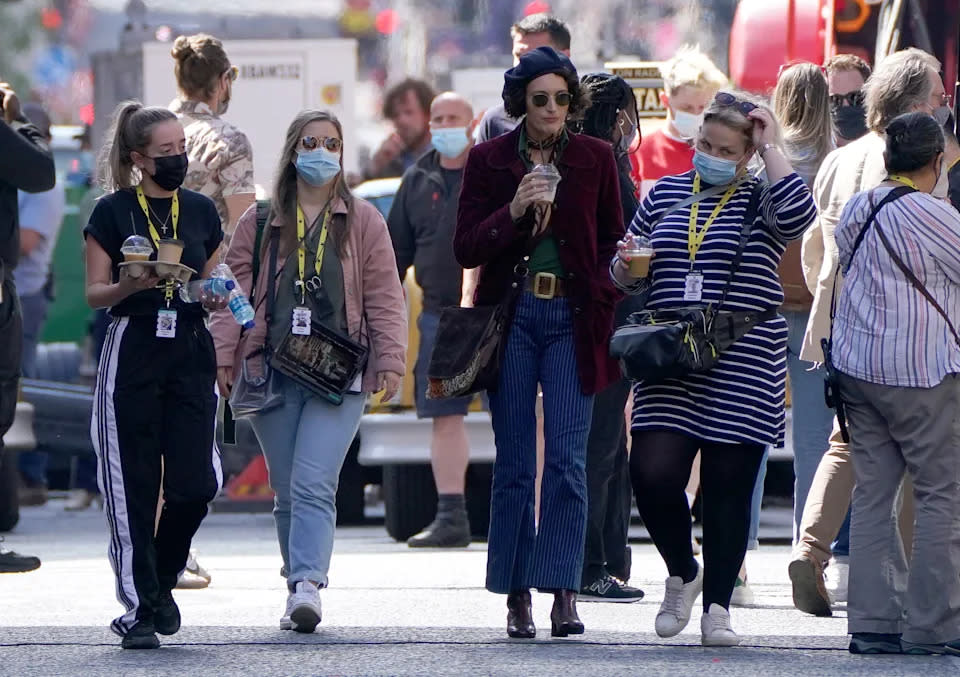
(870, 643)
(14, 563)
(917, 649)
(609, 589)
(166, 615)
(140, 636)
(447, 531)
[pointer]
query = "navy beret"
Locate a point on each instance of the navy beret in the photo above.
(533, 64)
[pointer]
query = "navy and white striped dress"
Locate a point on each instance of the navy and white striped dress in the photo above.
(741, 400)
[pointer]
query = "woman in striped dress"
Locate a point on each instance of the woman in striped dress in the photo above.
(734, 411)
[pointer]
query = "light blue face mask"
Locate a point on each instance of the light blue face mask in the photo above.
(450, 142)
(318, 167)
(714, 170)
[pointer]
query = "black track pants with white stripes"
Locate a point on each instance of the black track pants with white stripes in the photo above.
(154, 402)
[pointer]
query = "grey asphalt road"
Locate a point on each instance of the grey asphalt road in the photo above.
(389, 611)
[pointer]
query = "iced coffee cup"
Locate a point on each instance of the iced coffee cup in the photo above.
(639, 251)
(136, 248)
(549, 175)
(170, 251)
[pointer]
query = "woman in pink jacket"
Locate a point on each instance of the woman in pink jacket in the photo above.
(335, 270)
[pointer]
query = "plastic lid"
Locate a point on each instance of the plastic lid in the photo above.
(249, 325)
(138, 241)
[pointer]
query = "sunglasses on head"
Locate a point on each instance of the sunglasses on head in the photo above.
(541, 99)
(730, 101)
(856, 98)
(232, 73)
(331, 143)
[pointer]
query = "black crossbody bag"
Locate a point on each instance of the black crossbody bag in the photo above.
(656, 345)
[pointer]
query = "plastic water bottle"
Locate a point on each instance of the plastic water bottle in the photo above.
(198, 289)
(238, 304)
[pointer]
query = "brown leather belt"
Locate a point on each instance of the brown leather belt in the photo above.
(546, 285)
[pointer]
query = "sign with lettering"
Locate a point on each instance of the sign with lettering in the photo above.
(647, 83)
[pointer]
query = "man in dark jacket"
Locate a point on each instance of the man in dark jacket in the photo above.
(25, 164)
(422, 222)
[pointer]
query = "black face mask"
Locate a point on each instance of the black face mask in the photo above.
(171, 170)
(849, 122)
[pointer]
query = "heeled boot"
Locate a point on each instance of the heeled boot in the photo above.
(520, 615)
(563, 618)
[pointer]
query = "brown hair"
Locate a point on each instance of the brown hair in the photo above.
(801, 101)
(130, 130)
(558, 31)
(284, 199)
(732, 117)
(848, 62)
(900, 83)
(200, 62)
(421, 90)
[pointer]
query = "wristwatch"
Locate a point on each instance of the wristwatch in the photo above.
(764, 148)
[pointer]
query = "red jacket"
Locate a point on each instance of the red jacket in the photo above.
(587, 222)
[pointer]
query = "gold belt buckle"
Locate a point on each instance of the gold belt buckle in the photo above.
(545, 286)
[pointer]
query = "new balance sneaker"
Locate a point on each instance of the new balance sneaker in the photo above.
(140, 636)
(166, 615)
(838, 577)
(917, 649)
(193, 576)
(868, 643)
(285, 622)
(678, 600)
(609, 589)
(715, 628)
(305, 612)
(742, 594)
(15, 563)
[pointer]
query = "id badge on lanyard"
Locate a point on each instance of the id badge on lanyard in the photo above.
(300, 321)
(166, 324)
(693, 283)
(693, 287)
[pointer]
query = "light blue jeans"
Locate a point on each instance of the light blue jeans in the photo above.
(753, 539)
(305, 442)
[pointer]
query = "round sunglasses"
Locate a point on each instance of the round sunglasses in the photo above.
(854, 98)
(331, 143)
(541, 99)
(729, 100)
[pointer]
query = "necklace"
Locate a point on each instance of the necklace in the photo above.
(163, 222)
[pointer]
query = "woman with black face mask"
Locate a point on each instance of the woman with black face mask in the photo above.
(154, 399)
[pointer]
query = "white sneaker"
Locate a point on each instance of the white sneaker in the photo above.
(838, 576)
(678, 600)
(695, 545)
(742, 594)
(715, 628)
(285, 622)
(304, 607)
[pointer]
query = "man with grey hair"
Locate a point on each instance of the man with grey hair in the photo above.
(903, 82)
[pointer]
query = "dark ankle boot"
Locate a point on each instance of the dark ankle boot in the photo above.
(563, 618)
(520, 615)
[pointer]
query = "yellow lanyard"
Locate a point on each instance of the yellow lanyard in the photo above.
(904, 180)
(155, 234)
(302, 250)
(696, 236)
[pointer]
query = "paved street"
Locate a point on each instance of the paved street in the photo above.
(391, 611)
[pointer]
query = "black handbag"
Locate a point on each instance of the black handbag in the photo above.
(656, 345)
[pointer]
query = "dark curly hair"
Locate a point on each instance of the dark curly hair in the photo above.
(515, 97)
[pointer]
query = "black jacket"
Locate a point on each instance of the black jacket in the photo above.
(25, 164)
(422, 221)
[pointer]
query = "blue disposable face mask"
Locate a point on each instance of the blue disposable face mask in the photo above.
(318, 167)
(714, 170)
(450, 142)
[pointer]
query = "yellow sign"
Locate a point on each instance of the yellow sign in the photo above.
(647, 83)
(331, 95)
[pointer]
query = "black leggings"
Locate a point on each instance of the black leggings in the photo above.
(660, 464)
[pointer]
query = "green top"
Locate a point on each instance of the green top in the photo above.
(545, 257)
(326, 304)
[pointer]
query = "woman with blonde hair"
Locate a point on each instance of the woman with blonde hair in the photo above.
(801, 102)
(221, 158)
(720, 249)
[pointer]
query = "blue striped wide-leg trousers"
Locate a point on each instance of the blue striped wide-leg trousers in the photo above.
(520, 553)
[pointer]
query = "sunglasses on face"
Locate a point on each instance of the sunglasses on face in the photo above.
(730, 101)
(232, 73)
(331, 143)
(856, 98)
(541, 99)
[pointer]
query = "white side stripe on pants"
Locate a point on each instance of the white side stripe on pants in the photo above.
(103, 432)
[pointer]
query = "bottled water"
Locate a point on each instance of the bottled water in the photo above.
(195, 291)
(238, 304)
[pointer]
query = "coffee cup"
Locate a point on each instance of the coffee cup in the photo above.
(170, 251)
(548, 174)
(639, 252)
(136, 248)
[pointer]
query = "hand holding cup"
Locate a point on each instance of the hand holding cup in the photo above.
(635, 254)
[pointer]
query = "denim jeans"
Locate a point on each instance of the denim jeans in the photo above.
(520, 553)
(305, 442)
(812, 423)
(756, 503)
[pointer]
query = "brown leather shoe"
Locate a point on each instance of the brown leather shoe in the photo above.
(564, 620)
(520, 615)
(809, 590)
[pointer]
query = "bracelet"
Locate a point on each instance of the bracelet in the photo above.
(764, 148)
